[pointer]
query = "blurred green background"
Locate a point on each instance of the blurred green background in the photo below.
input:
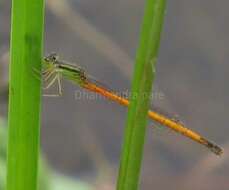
(82, 137)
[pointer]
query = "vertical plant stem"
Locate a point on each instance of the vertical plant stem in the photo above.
(144, 74)
(24, 94)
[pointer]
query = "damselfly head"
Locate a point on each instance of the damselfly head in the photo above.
(51, 58)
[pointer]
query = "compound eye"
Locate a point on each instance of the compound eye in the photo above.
(54, 56)
(51, 57)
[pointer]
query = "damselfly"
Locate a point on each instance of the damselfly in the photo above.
(56, 69)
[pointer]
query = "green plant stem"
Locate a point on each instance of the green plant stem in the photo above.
(144, 74)
(24, 94)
